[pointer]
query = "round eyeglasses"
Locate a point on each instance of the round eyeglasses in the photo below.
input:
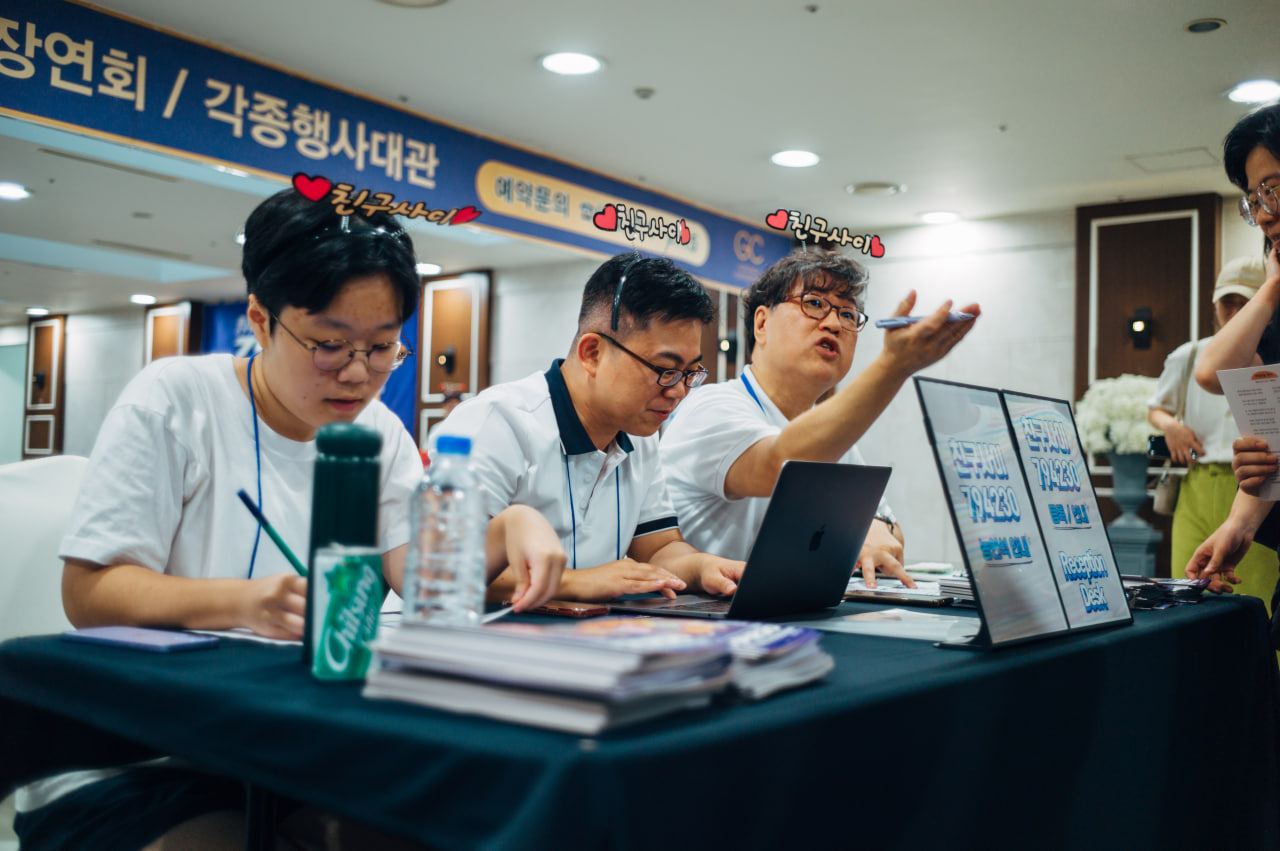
(817, 307)
(1263, 197)
(334, 355)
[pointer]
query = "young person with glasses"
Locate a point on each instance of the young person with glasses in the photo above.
(1251, 154)
(722, 453)
(579, 442)
(159, 538)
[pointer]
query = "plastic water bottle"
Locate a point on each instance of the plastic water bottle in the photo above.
(444, 570)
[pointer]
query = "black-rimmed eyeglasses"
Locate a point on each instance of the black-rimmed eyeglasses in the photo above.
(667, 377)
(334, 355)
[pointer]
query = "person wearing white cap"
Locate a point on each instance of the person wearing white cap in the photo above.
(1202, 438)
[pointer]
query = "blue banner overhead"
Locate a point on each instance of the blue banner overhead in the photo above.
(87, 69)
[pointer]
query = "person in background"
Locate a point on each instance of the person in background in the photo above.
(452, 398)
(159, 538)
(579, 442)
(1202, 440)
(722, 453)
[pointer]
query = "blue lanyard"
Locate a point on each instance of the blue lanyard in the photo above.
(573, 515)
(257, 451)
(751, 390)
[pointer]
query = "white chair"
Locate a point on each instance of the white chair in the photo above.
(35, 505)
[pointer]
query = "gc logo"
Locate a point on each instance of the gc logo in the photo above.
(745, 245)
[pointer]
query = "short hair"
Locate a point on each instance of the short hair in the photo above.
(301, 253)
(654, 287)
(817, 271)
(1260, 127)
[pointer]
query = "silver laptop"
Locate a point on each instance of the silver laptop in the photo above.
(805, 551)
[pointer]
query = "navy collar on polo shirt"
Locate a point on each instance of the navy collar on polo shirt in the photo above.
(573, 435)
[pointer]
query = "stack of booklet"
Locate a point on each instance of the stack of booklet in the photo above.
(590, 675)
(769, 658)
(956, 585)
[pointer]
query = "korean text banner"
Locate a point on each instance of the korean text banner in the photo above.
(74, 65)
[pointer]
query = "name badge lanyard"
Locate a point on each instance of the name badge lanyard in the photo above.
(751, 390)
(257, 452)
(573, 514)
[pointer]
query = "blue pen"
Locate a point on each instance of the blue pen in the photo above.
(271, 533)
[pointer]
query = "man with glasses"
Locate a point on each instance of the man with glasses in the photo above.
(579, 442)
(723, 452)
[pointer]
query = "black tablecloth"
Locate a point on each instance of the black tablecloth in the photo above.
(1159, 735)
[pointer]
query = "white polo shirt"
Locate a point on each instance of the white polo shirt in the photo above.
(706, 435)
(529, 447)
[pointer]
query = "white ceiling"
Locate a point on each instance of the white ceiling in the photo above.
(989, 109)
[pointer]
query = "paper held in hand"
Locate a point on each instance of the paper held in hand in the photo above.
(1254, 396)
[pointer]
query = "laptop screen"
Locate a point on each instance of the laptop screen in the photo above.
(1013, 580)
(1054, 464)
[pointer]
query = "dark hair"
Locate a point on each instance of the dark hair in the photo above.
(301, 253)
(1260, 127)
(817, 271)
(654, 287)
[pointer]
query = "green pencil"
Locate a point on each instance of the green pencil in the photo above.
(262, 521)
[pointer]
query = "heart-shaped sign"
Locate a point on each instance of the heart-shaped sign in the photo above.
(606, 219)
(312, 188)
(877, 247)
(464, 215)
(684, 233)
(778, 220)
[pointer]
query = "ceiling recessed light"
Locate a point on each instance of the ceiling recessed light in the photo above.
(142, 298)
(1255, 91)
(571, 63)
(37, 311)
(1204, 25)
(875, 188)
(13, 191)
(794, 159)
(939, 217)
(427, 269)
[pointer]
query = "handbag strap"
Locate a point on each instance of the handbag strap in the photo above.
(1186, 382)
(1182, 400)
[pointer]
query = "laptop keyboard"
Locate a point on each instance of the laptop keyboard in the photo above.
(703, 606)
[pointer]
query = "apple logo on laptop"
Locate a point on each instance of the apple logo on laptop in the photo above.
(816, 540)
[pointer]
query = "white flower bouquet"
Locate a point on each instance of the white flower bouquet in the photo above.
(1112, 416)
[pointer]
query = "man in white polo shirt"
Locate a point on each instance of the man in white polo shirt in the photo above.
(723, 452)
(579, 442)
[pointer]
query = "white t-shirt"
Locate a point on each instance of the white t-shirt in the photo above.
(1208, 415)
(706, 435)
(529, 447)
(160, 488)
